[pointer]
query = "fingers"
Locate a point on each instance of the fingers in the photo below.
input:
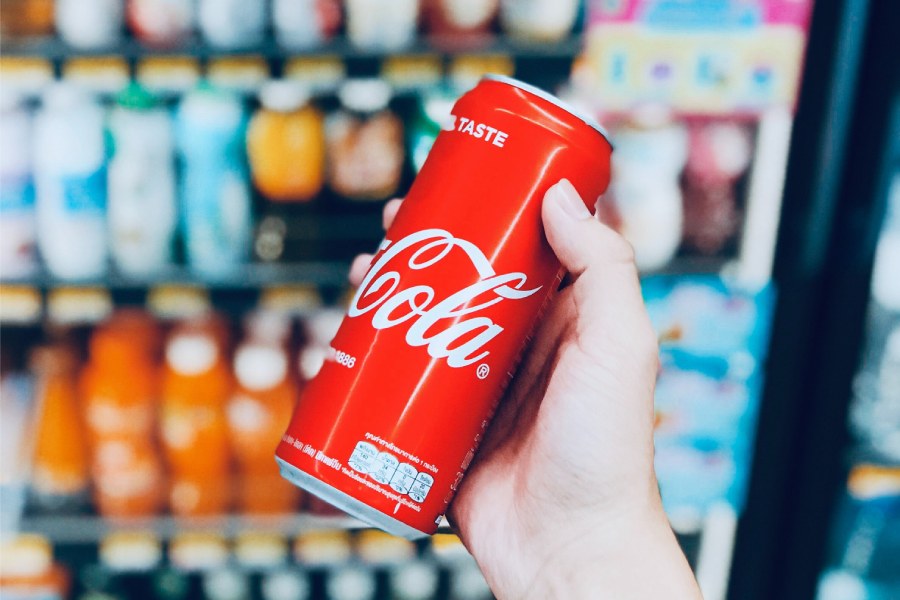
(390, 212)
(361, 263)
(607, 293)
(358, 269)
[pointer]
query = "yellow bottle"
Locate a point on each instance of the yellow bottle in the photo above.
(286, 144)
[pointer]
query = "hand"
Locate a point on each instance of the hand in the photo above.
(562, 499)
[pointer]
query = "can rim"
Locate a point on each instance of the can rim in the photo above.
(544, 95)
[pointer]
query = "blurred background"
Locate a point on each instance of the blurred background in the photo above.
(184, 182)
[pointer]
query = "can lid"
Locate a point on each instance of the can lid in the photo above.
(592, 123)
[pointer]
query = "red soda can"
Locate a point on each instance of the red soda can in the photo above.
(388, 427)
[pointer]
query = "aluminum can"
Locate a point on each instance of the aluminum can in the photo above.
(390, 424)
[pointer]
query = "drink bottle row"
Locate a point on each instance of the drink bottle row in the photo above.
(296, 24)
(83, 182)
(326, 565)
(136, 417)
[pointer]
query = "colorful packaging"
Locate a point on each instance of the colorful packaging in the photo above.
(713, 343)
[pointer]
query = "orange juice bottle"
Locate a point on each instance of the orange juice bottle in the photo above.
(120, 403)
(286, 144)
(143, 329)
(59, 471)
(258, 413)
(196, 385)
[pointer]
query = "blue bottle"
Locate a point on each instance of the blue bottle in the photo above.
(215, 188)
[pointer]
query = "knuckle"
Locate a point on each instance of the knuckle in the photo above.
(619, 249)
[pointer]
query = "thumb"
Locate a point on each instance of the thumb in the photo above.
(607, 292)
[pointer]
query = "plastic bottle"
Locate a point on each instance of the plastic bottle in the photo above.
(365, 142)
(26, 17)
(382, 24)
(460, 17)
(90, 24)
(719, 154)
(258, 412)
(142, 213)
(539, 20)
(286, 144)
(119, 391)
(70, 183)
(59, 476)
(17, 216)
(232, 23)
(304, 24)
(645, 188)
(195, 389)
(161, 22)
(215, 194)
(433, 115)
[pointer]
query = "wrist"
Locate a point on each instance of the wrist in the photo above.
(630, 552)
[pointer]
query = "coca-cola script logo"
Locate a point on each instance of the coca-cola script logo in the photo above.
(447, 327)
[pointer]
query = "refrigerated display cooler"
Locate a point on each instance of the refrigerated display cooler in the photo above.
(736, 124)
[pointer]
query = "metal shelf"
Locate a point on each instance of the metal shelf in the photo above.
(249, 277)
(89, 529)
(55, 49)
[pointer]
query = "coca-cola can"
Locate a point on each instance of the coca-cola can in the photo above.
(392, 421)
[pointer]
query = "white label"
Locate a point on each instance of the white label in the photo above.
(363, 457)
(384, 467)
(404, 478)
(421, 487)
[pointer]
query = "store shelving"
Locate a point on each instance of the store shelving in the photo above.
(249, 276)
(86, 529)
(55, 49)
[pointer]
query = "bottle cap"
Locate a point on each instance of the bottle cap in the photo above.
(365, 95)
(136, 97)
(62, 95)
(130, 551)
(284, 95)
(27, 555)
